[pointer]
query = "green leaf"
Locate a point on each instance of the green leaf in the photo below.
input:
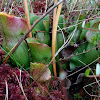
(60, 40)
(39, 26)
(81, 17)
(77, 35)
(88, 25)
(99, 50)
(87, 72)
(13, 28)
(92, 36)
(40, 52)
(84, 58)
(61, 21)
(94, 21)
(32, 40)
(44, 36)
(33, 18)
(82, 36)
(79, 29)
(37, 68)
(93, 3)
(41, 30)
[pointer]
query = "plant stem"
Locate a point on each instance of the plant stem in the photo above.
(54, 34)
(26, 34)
(27, 16)
(53, 39)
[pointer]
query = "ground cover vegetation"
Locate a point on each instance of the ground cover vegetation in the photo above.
(49, 49)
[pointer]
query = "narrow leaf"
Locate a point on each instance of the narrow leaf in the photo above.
(87, 72)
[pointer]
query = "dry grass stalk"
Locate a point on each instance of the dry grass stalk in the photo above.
(53, 39)
(54, 33)
(27, 16)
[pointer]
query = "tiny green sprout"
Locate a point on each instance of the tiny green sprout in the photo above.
(76, 53)
(87, 72)
(77, 96)
(64, 57)
(94, 40)
(84, 50)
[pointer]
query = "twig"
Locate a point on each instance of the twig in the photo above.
(26, 34)
(27, 16)
(95, 77)
(91, 18)
(91, 29)
(89, 85)
(83, 67)
(77, 54)
(92, 76)
(62, 33)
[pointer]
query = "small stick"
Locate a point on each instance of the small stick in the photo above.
(91, 29)
(92, 76)
(27, 16)
(54, 33)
